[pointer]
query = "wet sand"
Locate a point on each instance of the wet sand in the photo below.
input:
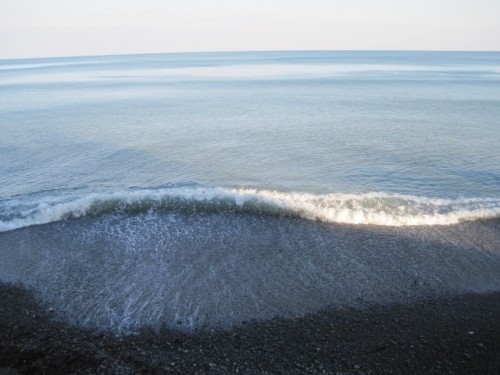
(455, 335)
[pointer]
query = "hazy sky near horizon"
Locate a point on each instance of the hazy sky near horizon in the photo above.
(36, 28)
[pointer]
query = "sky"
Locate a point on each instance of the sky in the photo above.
(49, 28)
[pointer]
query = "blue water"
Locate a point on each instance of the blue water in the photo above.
(146, 156)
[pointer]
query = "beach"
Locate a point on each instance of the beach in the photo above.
(455, 335)
(250, 212)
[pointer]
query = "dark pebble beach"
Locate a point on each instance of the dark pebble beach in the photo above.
(455, 335)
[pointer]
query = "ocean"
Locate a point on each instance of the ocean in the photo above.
(197, 190)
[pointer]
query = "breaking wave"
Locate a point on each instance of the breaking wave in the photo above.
(370, 208)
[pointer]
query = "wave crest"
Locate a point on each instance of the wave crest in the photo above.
(370, 208)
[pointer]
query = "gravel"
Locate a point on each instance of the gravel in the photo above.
(454, 335)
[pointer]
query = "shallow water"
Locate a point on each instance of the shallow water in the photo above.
(193, 270)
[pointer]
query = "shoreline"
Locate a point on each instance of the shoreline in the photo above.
(458, 335)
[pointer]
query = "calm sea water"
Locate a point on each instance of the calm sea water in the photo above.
(210, 188)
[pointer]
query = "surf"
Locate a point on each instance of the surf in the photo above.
(376, 208)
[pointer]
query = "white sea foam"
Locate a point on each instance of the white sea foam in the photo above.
(371, 208)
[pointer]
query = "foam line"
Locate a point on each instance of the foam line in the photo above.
(371, 208)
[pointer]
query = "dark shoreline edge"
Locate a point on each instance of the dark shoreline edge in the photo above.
(457, 335)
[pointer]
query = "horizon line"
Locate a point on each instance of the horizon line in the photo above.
(243, 51)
